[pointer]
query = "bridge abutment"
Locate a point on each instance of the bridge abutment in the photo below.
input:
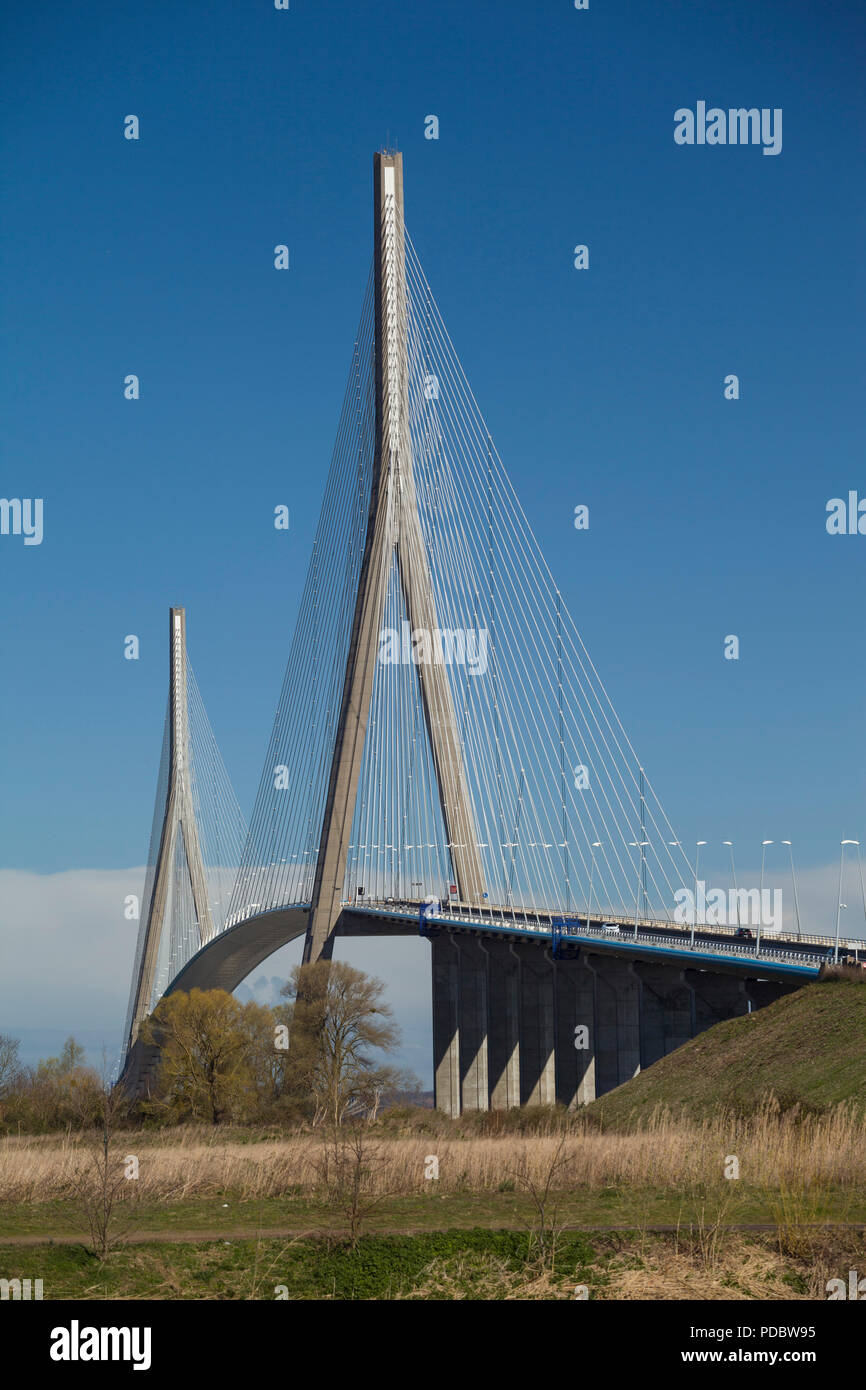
(472, 1026)
(716, 997)
(761, 992)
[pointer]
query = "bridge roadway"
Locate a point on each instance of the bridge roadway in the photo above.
(778, 957)
(225, 961)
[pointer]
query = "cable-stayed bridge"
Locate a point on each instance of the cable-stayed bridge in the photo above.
(445, 759)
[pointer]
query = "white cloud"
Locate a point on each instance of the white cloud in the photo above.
(67, 952)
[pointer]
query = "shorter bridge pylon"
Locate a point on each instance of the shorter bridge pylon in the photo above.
(192, 863)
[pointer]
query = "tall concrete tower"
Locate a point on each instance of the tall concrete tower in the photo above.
(393, 528)
(179, 852)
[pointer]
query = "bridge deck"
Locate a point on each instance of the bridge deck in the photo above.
(652, 940)
(229, 957)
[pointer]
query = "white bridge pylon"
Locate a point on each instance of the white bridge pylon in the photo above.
(196, 842)
(394, 540)
(441, 728)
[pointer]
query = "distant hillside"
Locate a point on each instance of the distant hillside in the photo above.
(808, 1047)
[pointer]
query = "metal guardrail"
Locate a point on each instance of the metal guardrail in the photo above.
(671, 941)
(704, 947)
(513, 921)
(534, 920)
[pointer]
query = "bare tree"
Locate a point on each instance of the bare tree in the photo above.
(339, 1018)
(105, 1190)
(544, 1232)
(346, 1170)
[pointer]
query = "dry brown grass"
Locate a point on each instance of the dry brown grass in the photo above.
(479, 1276)
(664, 1269)
(775, 1151)
(671, 1270)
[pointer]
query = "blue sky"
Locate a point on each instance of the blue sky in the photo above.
(602, 386)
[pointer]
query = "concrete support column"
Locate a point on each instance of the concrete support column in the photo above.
(575, 1009)
(446, 1027)
(717, 997)
(617, 1004)
(503, 1028)
(665, 1011)
(472, 1023)
(537, 1033)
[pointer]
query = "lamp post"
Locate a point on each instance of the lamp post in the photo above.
(862, 894)
(639, 845)
(730, 845)
(695, 913)
(840, 903)
(673, 843)
(794, 882)
(761, 894)
(596, 844)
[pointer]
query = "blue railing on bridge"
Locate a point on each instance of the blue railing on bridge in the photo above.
(574, 928)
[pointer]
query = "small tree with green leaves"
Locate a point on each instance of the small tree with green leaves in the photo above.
(205, 1063)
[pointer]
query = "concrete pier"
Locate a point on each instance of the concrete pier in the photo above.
(513, 1025)
(617, 1015)
(503, 1040)
(446, 1031)
(575, 1032)
(472, 1026)
(666, 1011)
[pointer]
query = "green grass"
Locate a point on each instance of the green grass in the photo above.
(806, 1049)
(379, 1268)
(623, 1206)
(444, 1265)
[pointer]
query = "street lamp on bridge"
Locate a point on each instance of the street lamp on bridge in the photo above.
(761, 894)
(840, 903)
(695, 913)
(794, 882)
(673, 843)
(641, 845)
(596, 844)
(730, 845)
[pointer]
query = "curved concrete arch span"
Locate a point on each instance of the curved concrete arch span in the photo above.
(225, 962)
